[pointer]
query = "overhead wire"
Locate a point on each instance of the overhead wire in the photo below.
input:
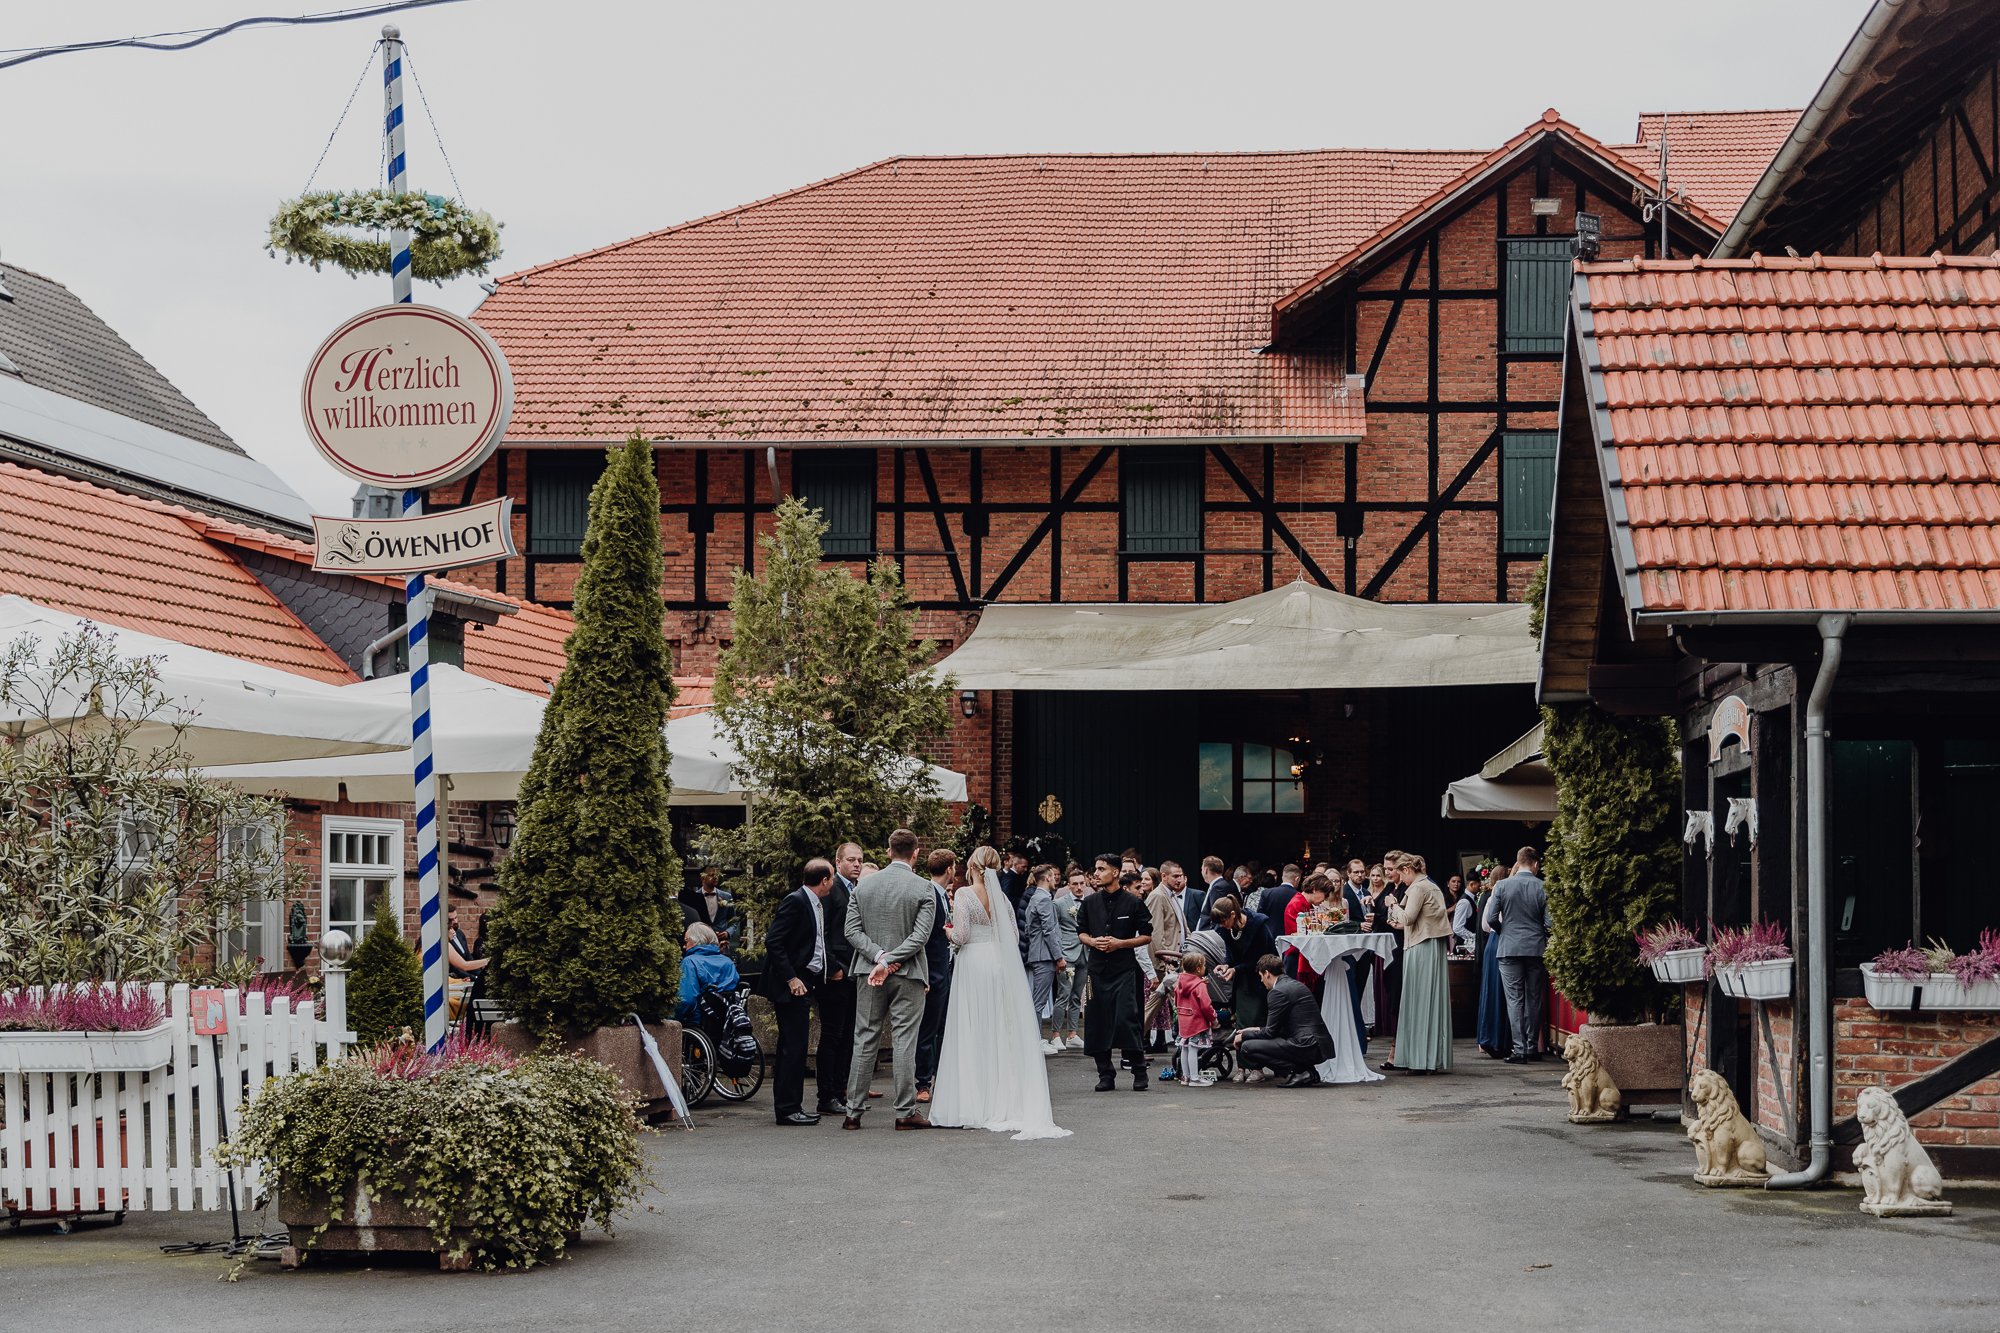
(200, 36)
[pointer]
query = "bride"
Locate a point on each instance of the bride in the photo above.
(990, 1071)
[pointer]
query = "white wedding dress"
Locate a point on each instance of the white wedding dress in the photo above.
(990, 1068)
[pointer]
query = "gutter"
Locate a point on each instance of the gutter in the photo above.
(1941, 618)
(1840, 85)
(1819, 1018)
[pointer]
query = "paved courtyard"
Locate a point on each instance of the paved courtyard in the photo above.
(1462, 1202)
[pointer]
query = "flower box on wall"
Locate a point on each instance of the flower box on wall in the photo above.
(1945, 991)
(1770, 979)
(1680, 967)
(1887, 992)
(1938, 991)
(87, 1052)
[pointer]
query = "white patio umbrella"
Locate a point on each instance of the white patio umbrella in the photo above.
(482, 737)
(236, 711)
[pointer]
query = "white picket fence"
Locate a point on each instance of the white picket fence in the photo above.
(145, 1141)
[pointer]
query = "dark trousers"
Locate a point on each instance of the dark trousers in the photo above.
(930, 1037)
(836, 1041)
(1357, 977)
(788, 1074)
(1527, 983)
(1280, 1057)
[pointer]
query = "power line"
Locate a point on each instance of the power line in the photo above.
(198, 36)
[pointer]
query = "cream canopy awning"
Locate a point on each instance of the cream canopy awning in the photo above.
(1514, 784)
(1299, 637)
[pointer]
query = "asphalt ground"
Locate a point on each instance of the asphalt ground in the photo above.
(1462, 1201)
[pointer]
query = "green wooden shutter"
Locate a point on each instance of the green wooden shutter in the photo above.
(559, 500)
(841, 485)
(1527, 491)
(1161, 498)
(1538, 274)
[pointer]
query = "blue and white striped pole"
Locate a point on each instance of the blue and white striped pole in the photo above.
(430, 917)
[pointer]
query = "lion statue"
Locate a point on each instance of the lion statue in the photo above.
(1727, 1150)
(1592, 1095)
(1897, 1177)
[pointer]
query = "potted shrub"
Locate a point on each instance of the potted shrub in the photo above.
(1674, 952)
(487, 1158)
(1753, 962)
(1891, 978)
(90, 1029)
(587, 930)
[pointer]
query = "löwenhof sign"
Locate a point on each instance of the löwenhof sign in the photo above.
(474, 535)
(406, 397)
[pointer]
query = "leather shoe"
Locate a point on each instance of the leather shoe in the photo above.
(1305, 1078)
(833, 1108)
(798, 1118)
(850, 1121)
(923, 1094)
(1139, 1083)
(1107, 1083)
(912, 1122)
(1517, 1059)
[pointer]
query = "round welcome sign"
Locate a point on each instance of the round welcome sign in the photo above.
(407, 396)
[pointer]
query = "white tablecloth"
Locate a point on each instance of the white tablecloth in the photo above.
(1329, 956)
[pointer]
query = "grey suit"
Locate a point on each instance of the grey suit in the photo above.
(1043, 945)
(1520, 908)
(889, 918)
(1069, 981)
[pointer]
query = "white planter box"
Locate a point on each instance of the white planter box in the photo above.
(1889, 993)
(1945, 991)
(1757, 981)
(1680, 967)
(87, 1052)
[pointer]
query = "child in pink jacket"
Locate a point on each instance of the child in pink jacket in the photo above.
(1196, 1013)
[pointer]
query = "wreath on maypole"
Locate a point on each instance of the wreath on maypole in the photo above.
(447, 239)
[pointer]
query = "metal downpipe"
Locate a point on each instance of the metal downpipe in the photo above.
(1819, 1016)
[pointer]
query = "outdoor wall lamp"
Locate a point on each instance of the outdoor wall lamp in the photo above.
(501, 826)
(968, 702)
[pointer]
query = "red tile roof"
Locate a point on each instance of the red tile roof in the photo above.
(985, 298)
(524, 650)
(1795, 436)
(693, 694)
(1716, 156)
(136, 563)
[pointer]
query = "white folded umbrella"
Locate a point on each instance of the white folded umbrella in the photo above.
(482, 738)
(235, 711)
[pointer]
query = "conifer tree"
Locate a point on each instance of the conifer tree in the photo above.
(587, 929)
(385, 988)
(827, 694)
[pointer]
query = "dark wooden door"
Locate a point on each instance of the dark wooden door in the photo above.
(1117, 770)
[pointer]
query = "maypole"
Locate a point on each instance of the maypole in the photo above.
(418, 597)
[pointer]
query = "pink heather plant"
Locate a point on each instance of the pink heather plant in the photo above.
(1980, 964)
(293, 986)
(96, 1008)
(408, 1060)
(1907, 963)
(1761, 943)
(1667, 937)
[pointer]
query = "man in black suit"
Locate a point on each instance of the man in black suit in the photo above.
(1014, 883)
(1293, 1038)
(709, 905)
(1274, 900)
(799, 968)
(937, 960)
(836, 1003)
(1218, 887)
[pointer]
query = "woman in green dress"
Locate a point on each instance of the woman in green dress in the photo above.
(1423, 1025)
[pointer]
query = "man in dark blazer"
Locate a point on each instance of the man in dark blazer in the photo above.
(937, 958)
(1218, 887)
(1014, 883)
(836, 1003)
(799, 971)
(708, 904)
(1293, 1038)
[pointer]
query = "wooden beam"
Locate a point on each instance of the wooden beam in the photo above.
(1041, 532)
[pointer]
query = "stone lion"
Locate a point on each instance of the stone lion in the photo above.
(1896, 1172)
(1592, 1094)
(1726, 1148)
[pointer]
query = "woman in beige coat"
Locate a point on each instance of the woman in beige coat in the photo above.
(1423, 1025)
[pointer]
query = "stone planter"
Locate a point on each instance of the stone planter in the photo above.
(1889, 993)
(1768, 980)
(87, 1052)
(619, 1050)
(1946, 991)
(1679, 967)
(1646, 1060)
(363, 1225)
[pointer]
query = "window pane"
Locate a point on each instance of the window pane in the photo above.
(840, 483)
(1218, 776)
(340, 903)
(1256, 798)
(1281, 763)
(1256, 762)
(1291, 798)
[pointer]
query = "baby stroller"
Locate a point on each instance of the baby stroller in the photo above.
(1219, 1060)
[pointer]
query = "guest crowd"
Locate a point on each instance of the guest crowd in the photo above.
(1127, 961)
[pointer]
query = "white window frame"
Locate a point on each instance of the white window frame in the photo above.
(262, 934)
(333, 827)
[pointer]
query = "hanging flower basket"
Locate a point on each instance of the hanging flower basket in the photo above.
(87, 1052)
(1888, 991)
(1680, 967)
(1770, 979)
(447, 239)
(1945, 991)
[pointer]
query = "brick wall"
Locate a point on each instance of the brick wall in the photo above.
(1891, 1049)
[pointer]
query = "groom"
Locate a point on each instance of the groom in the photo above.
(897, 907)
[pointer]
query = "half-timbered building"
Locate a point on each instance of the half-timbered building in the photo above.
(1117, 379)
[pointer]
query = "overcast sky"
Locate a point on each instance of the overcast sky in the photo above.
(145, 180)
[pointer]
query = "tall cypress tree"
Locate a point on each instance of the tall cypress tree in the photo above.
(587, 929)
